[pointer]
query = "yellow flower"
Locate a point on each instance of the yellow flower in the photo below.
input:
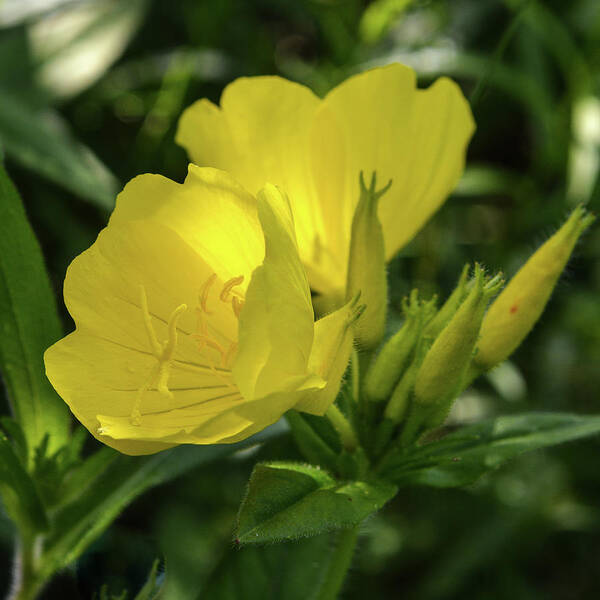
(194, 321)
(268, 129)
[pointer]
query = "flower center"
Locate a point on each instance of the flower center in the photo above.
(164, 351)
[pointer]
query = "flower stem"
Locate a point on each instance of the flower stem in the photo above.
(25, 583)
(338, 568)
(343, 427)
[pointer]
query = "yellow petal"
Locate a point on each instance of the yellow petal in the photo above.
(229, 424)
(210, 211)
(261, 134)
(378, 121)
(108, 366)
(276, 324)
(329, 357)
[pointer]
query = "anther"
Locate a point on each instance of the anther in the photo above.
(228, 286)
(204, 290)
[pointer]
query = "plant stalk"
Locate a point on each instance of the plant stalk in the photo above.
(338, 568)
(25, 583)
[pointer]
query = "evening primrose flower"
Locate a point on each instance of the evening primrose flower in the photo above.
(268, 129)
(194, 321)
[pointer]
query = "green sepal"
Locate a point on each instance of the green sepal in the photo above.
(289, 500)
(366, 264)
(446, 312)
(311, 445)
(462, 457)
(352, 465)
(387, 367)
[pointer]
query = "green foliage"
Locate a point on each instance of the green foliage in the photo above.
(106, 483)
(292, 570)
(28, 324)
(18, 491)
(289, 501)
(463, 456)
(532, 68)
(40, 140)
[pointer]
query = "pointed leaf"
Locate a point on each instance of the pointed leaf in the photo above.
(461, 457)
(288, 501)
(28, 325)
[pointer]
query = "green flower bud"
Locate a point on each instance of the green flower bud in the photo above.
(516, 310)
(446, 361)
(396, 408)
(395, 354)
(366, 266)
(442, 318)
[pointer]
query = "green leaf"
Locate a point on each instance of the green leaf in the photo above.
(293, 571)
(96, 33)
(40, 140)
(29, 323)
(288, 501)
(108, 482)
(152, 586)
(19, 492)
(461, 457)
(378, 17)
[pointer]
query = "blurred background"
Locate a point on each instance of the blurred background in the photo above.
(90, 94)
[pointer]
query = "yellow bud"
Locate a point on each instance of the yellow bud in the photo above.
(446, 361)
(395, 354)
(366, 266)
(516, 310)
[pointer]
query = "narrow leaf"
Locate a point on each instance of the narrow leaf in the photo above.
(18, 491)
(461, 457)
(40, 140)
(28, 325)
(288, 501)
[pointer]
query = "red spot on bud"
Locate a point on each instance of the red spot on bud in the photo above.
(513, 309)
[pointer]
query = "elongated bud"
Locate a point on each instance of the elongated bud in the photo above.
(366, 265)
(446, 361)
(442, 318)
(516, 310)
(387, 367)
(399, 400)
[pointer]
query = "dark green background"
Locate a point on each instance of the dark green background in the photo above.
(532, 69)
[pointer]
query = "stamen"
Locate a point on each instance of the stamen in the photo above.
(211, 344)
(204, 290)
(136, 415)
(228, 286)
(169, 345)
(162, 352)
(230, 353)
(237, 306)
(154, 343)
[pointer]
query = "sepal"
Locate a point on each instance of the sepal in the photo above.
(366, 264)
